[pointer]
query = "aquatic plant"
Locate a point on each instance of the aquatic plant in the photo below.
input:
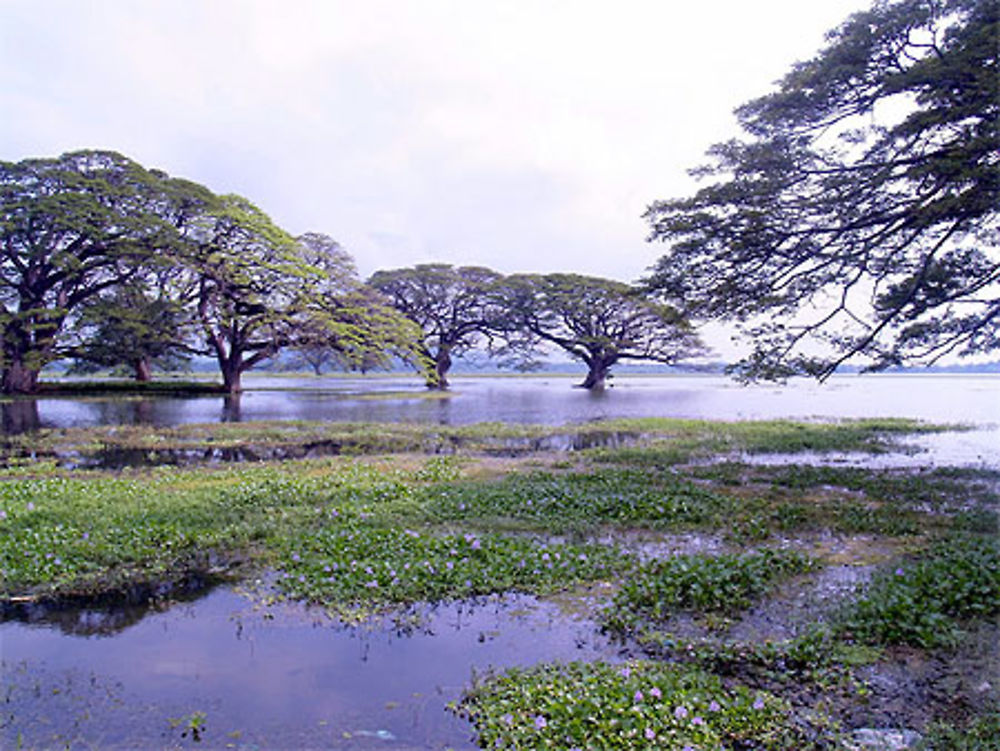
(354, 564)
(700, 583)
(921, 602)
(636, 705)
(571, 500)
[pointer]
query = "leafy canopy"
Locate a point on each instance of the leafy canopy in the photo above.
(598, 321)
(858, 215)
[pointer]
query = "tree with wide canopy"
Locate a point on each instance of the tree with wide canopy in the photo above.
(72, 228)
(106, 260)
(857, 218)
(598, 321)
(454, 308)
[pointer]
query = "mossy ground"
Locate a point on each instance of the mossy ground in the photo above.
(390, 526)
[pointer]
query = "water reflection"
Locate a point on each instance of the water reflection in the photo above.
(20, 416)
(276, 677)
(547, 400)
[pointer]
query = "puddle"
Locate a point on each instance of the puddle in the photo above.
(971, 448)
(283, 676)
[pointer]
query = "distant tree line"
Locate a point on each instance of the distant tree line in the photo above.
(110, 264)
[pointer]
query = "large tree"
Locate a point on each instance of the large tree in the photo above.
(455, 309)
(857, 217)
(598, 321)
(132, 326)
(251, 287)
(350, 324)
(71, 228)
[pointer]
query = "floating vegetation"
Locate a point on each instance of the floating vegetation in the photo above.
(921, 603)
(628, 706)
(355, 565)
(702, 583)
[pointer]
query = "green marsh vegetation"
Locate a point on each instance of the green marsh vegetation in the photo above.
(389, 525)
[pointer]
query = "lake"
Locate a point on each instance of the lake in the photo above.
(969, 399)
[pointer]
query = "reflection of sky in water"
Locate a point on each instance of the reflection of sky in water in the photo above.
(553, 401)
(293, 682)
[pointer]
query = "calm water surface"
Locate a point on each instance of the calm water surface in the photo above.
(547, 400)
(281, 677)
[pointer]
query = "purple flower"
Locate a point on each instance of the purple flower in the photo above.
(758, 703)
(507, 719)
(540, 722)
(3, 514)
(295, 557)
(655, 692)
(714, 706)
(697, 720)
(681, 712)
(31, 506)
(638, 697)
(650, 734)
(86, 536)
(899, 572)
(625, 672)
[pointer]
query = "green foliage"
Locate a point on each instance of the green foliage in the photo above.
(701, 583)
(638, 705)
(598, 321)
(981, 734)
(921, 603)
(70, 228)
(561, 502)
(353, 564)
(692, 439)
(454, 309)
(130, 327)
(858, 215)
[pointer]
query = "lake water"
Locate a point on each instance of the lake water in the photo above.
(548, 400)
(280, 677)
(972, 400)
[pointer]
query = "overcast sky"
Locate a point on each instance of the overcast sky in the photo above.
(523, 135)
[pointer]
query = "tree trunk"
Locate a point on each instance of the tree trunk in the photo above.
(19, 379)
(232, 374)
(143, 370)
(442, 364)
(597, 376)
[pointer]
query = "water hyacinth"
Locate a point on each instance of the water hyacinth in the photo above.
(597, 705)
(383, 567)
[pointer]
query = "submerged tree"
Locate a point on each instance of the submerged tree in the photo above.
(71, 228)
(860, 213)
(598, 321)
(455, 308)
